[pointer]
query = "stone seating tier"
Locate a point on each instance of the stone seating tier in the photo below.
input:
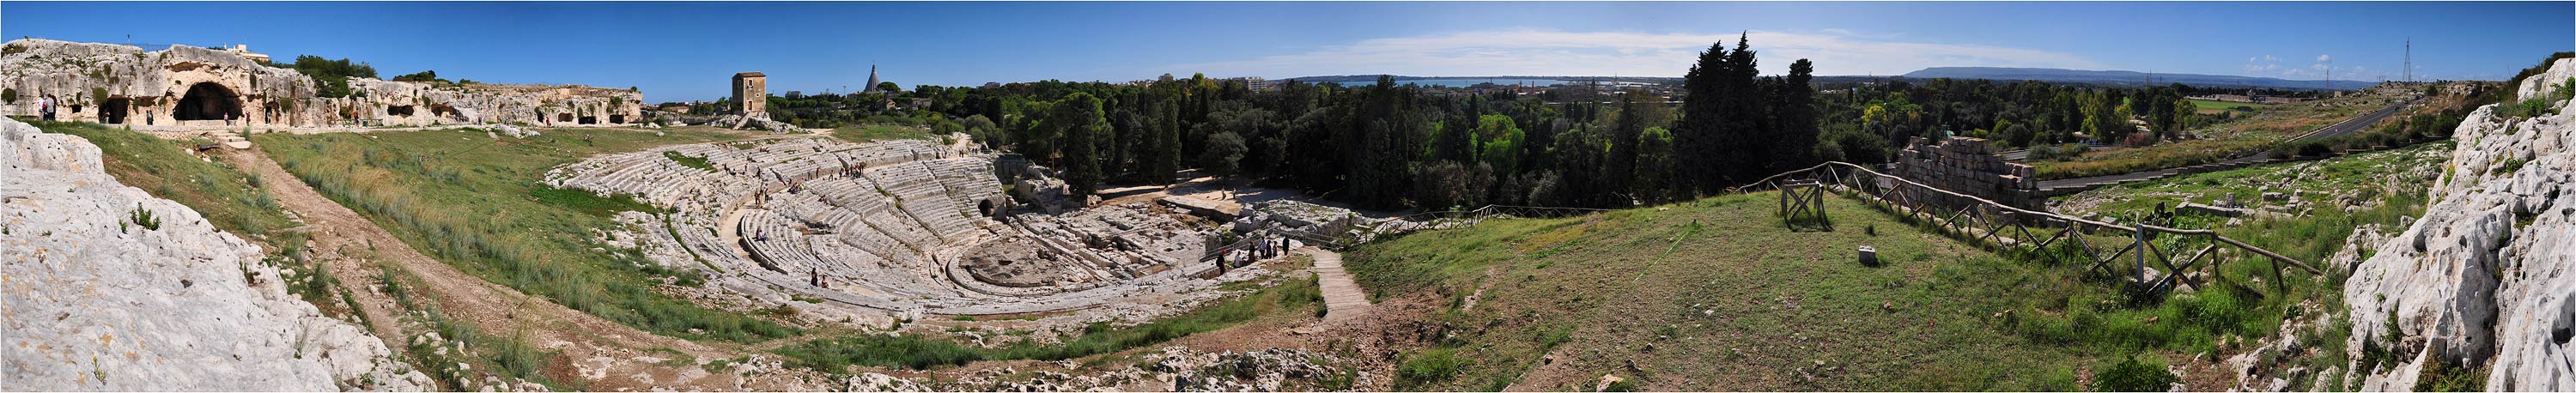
(774, 239)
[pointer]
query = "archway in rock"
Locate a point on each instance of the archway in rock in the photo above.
(113, 111)
(398, 110)
(617, 119)
(208, 101)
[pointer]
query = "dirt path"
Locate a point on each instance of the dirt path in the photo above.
(600, 350)
(1343, 298)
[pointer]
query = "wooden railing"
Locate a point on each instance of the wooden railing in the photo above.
(2007, 228)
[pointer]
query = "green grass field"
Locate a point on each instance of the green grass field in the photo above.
(2246, 133)
(229, 200)
(1720, 294)
(2396, 180)
(2209, 106)
(2372, 170)
(876, 132)
(476, 203)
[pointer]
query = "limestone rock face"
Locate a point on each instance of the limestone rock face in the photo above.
(119, 84)
(90, 299)
(2486, 276)
(2559, 71)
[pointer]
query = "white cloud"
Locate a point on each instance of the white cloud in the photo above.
(2270, 58)
(1551, 52)
(2325, 59)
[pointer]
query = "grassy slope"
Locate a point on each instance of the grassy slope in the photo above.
(2248, 134)
(875, 132)
(476, 202)
(229, 200)
(2208, 106)
(2360, 171)
(1717, 294)
(2397, 179)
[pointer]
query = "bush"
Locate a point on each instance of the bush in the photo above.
(2506, 168)
(2444, 376)
(144, 218)
(2131, 375)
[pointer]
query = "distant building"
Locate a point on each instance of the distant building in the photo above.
(1255, 83)
(795, 94)
(751, 93)
(244, 51)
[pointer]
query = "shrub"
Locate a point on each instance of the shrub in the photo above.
(9, 95)
(2506, 168)
(144, 218)
(2445, 376)
(2131, 375)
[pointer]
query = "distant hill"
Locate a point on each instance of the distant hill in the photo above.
(2054, 75)
(1468, 80)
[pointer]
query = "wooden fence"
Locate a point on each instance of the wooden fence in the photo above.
(2007, 228)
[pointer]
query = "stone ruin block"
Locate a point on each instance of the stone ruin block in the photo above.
(1965, 165)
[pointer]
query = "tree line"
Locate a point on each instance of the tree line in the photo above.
(1388, 145)
(1391, 146)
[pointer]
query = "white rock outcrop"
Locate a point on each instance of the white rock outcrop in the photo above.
(91, 299)
(2485, 278)
(2559, 72)
(121, 84)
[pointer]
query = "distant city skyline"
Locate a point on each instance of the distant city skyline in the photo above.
(680, 51)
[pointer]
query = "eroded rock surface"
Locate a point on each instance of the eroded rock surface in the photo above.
(2484, 279)
(194, 86)
(94, 297)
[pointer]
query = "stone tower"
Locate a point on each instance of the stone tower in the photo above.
(872, 79)
(751, 93)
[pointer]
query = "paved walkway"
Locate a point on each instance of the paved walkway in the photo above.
(1343, 298)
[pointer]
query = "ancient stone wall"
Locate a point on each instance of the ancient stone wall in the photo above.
(1967, 166)
(186, 85)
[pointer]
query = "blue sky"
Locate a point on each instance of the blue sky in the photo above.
(686, 50)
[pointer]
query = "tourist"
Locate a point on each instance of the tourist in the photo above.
(45, 107)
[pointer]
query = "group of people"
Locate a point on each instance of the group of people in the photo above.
(45, 107)
(1265, 249)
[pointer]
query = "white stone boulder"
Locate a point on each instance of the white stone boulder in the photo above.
(2485, 278)
(91, 298)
